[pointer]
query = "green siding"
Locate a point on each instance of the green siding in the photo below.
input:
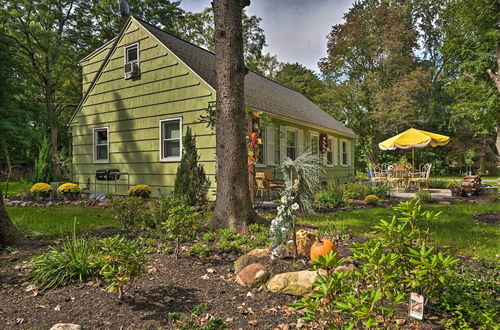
(132, 110)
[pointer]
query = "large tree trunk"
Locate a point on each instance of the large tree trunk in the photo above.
(8, 232)
(496, 79)
(53, 130)
(233, 208)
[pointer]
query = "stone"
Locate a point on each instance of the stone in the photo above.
(66, 326)
(260, 253)
(49, 204)
(305, 240)
(294, 283)
(349, 268)
(252, 275)
(244, 261)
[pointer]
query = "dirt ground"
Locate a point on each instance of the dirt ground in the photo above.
(171, 285)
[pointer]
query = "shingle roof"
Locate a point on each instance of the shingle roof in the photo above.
(261, 93)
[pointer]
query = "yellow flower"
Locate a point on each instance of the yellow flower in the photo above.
(250, 153)
(259, 141)
(256, 114)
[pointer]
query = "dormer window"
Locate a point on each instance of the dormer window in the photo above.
(132, 61)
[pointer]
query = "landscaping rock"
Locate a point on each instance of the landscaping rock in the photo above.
(260, 253)
(252, 275)
(66, 326)
(244, 261)
(294, 283)
(345, 268)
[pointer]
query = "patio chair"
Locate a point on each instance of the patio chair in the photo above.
(262, 185)
(422, 176)
(378, 174)
(396, 178)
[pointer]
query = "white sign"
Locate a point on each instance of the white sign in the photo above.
(416, 306)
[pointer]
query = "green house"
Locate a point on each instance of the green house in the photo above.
(143, 89)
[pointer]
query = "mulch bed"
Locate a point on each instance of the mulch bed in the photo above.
(489, 218)
(171, 285)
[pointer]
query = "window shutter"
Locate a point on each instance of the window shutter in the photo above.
(300, 142)
(335, 142)
(282, 142)
(349, 152)
(269, 144)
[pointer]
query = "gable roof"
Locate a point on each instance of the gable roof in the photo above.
(261, 93)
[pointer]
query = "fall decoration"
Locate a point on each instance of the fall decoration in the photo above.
(140, 190)
(305, 240)
(40, 189)
(324, 144)
(69, 188)
(253, 149)
(321, 247)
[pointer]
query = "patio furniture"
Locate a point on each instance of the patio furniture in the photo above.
(422, 176)
(378, 174)
(397, 178)
(262, 185)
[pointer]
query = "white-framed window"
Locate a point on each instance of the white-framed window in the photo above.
(100, 143)
(314, 143)
(344, 152)
(132, 53)
(171, 139)
(131, 57)
(330, 152)
(261, 160)
(291, 143)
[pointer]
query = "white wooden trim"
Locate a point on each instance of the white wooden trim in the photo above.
(262, 152)
(181, 136)
(282, 143)
(342, 152)
(332, 149)
(134, 44)
(299, 148)
(94, 145)
(269, 145)
(309, 146)
(335, 151)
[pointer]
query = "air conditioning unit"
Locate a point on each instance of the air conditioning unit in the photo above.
(131, 70)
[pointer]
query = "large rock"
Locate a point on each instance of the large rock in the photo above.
(259, 253)
(252, 275)
(294, 283)
(66, 326)
(244, 261)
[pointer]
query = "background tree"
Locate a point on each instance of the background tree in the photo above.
(298, 77)
(471, 38)
(190, 179)
(374, 76)
(233, 208)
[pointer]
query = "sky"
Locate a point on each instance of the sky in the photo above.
(295, 30)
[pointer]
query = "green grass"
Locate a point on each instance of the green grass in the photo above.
(489, 179)
(54, 222)
(454, 229)
(15, 187)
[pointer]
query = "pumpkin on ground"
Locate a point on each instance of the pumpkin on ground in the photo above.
(322, 247)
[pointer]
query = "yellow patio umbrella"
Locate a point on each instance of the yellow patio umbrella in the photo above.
(414, 138)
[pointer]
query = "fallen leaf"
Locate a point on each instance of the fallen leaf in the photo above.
(57, 308)
(253, 322)
(211, 270)
(205, 277)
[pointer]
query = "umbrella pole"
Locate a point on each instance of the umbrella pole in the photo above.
(413, 158)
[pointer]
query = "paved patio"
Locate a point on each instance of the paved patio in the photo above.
(435, 194)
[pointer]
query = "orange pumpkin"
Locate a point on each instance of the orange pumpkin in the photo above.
(255, 136)
(321, 247)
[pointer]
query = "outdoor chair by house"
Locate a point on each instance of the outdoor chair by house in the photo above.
(397, 179)
(422, 176)
(262, 186)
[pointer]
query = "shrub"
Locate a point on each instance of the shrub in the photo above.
(69, 188)
(157, 210)
(121, 261)
(43, 164)
(190, 179)
(182, 223)
(394, 264)
(70, 262)
(331, 197)
(352, 191)
(129, 211)
(140, 190)
(439, 184)
(40, 189)
(424, 196)
(382, 191)
(372, 199)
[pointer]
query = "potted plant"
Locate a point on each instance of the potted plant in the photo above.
(70, 191)
(40, 190)
(401, 164)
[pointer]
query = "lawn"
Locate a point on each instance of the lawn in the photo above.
(53, 222)
(454, 229)
(15, 187)
(488, 179)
